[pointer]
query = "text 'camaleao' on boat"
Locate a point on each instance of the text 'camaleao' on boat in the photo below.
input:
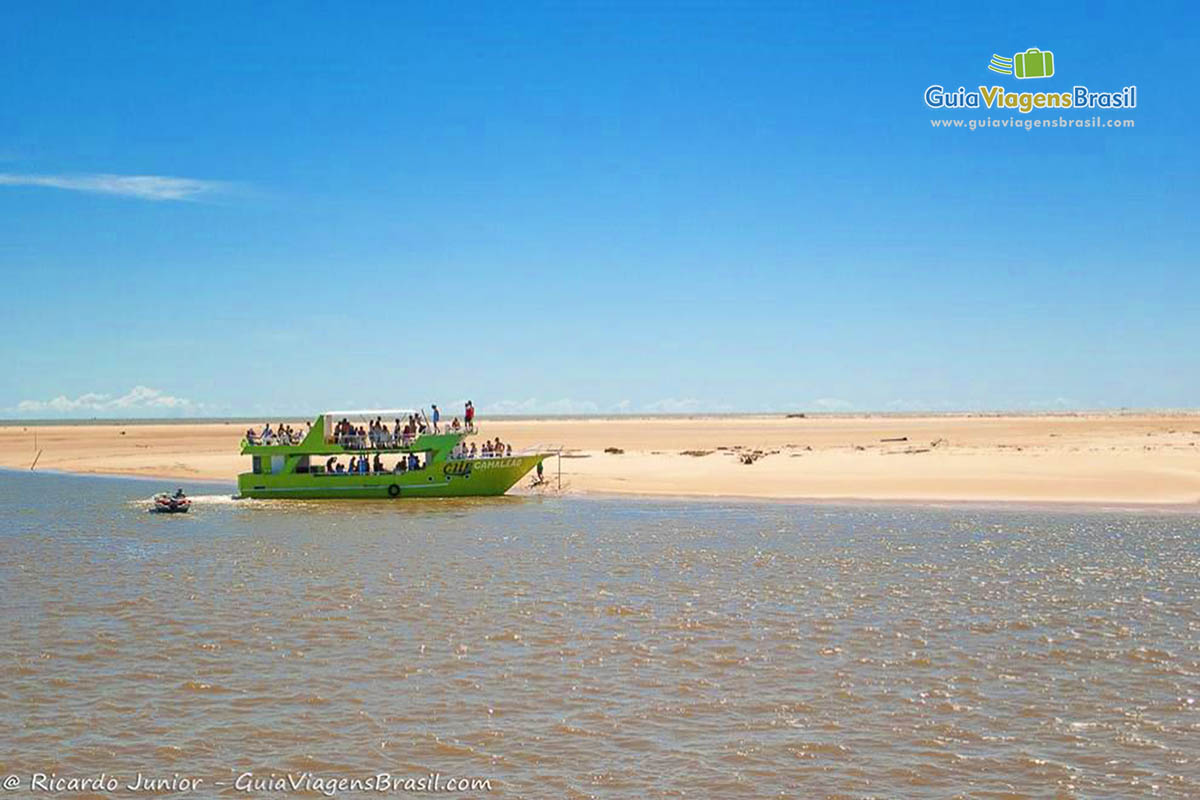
(380, 454)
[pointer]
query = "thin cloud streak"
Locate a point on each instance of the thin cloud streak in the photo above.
(142, 187)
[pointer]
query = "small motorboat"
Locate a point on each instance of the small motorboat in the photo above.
(166, 503)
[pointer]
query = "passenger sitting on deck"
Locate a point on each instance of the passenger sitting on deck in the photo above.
(268, 435)
(401, 465)
(251, 436)
(354, 463)
(377, 464)
(341, 468)
(329, 464)
(486, 450)
(472, 450)
(455, 425)
(508, 449)
(413, 461)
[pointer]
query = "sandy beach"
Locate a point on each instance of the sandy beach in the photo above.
(1086, 458)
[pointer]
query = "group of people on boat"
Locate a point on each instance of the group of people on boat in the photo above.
(282, 434)
(493, 449)
(376, 433)
(468, 423)
(361, 465)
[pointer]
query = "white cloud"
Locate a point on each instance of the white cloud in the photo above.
(568, 406)
(137, 400)
(534, 406)
(671, 405)
(832, 404)
(143, 187)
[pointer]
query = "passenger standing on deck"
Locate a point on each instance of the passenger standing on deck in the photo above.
(437, 417)
(469, 415)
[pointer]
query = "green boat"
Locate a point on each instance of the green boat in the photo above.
(425, 463)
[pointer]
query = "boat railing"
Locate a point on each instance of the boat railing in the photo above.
(387, 441)
(273, 440)
(354, 441)
(531, 450)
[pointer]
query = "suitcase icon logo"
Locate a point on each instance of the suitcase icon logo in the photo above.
(1033, 63)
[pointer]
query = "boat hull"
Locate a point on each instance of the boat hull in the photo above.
(485, 477)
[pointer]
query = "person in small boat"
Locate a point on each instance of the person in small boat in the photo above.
(179, 495)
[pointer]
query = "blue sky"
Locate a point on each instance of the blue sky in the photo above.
(212, 209)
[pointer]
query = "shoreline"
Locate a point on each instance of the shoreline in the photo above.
(1116, 460)
(1182, 508)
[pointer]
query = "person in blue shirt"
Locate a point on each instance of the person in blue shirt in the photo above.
(437, 417)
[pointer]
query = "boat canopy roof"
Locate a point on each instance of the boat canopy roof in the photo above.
(372, 413)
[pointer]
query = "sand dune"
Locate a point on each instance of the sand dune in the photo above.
(1107, 458)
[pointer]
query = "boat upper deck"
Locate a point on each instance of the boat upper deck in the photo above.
(358, 431)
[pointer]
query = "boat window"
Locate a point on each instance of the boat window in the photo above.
(257, 461)
(302, 464)
(276, 464)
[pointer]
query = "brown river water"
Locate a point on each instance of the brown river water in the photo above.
(572, 648)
